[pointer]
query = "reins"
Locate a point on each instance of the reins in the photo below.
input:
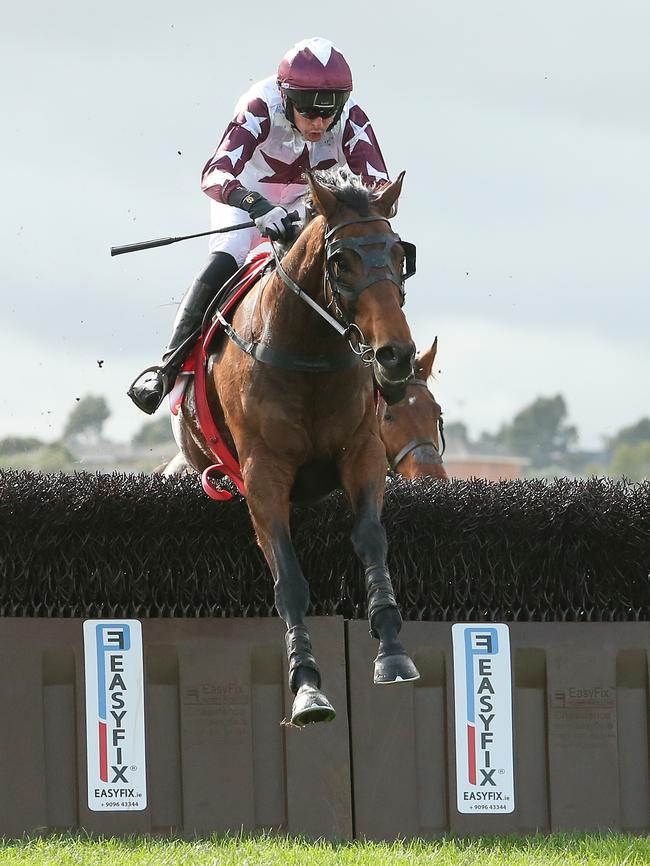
(296, 289)
(298, 363)
(362, 350)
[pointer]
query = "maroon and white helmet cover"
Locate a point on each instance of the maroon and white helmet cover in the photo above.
(314, 64)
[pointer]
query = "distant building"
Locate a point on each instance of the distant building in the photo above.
(489, 466)
(463, 461)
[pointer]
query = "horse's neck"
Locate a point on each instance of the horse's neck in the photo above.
(305, 260)
(281, 310)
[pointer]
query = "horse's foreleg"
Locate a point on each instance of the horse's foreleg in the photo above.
(366, 492)
(268, 501)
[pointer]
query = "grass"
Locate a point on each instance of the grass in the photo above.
(561, 849)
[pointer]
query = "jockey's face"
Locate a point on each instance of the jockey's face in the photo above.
(312, 129)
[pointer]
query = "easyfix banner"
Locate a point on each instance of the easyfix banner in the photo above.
(483, 716)
(115, 739)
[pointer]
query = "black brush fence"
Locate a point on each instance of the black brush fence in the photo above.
(563, 566)
(145, 546)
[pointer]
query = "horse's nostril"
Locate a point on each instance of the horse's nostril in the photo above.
(387, 356)
(393, 355)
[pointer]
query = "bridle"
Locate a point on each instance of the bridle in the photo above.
(427, 441)
(370, 259)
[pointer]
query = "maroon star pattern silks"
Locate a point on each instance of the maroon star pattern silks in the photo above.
(292, 172)
(276, 169)
(242, 137)
(361, 148)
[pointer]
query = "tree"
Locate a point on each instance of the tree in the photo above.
(18, 445)
(456, 432)
(632, 461)
(154, 433)
(632, 435)
(52, 457)
(87, 418)
(538, 431)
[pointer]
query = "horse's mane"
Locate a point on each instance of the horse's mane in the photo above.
(348, 188)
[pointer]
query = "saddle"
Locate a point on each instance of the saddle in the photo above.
(226, 464)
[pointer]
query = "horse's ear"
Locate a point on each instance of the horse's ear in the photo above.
(387, 199)
(325, 202)
(424, 362)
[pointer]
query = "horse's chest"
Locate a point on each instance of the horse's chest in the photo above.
(313, 425)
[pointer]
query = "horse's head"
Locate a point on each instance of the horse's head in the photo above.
(411, 429)
(366, 264)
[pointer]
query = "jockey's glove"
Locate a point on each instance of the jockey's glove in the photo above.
(272, 225)
(269, 218)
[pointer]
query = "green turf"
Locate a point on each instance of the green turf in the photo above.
(560, 849)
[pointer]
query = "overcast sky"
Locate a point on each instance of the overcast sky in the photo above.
(524, 128)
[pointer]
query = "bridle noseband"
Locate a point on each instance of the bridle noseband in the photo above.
(423, 441)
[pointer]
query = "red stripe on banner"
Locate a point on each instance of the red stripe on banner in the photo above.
(471, 753)
(103, 753)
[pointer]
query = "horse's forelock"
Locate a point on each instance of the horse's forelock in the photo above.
(348, 188)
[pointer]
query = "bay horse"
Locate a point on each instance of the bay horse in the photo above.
(412, 428)
(298, 408)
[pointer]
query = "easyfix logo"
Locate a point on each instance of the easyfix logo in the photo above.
(113, 641)
(483, 717)
(480, 704)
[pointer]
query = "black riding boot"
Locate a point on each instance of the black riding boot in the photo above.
(153, 384)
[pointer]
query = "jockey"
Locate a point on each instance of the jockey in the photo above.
(301, 119)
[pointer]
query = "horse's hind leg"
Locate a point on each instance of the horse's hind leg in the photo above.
(393, 664)
(268, 502)
(178, 465)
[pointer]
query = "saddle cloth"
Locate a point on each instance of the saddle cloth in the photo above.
(196, 366)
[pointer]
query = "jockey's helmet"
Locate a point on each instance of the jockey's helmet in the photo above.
(314, 79)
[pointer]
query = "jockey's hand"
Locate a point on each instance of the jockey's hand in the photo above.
(269, 218)
(272, 223)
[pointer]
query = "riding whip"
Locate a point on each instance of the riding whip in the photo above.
(292, 217)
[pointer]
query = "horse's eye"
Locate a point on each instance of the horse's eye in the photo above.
(388, 417)
(339, 261)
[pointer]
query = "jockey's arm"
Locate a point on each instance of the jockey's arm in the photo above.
(361, 148)
(243, 135)
(219, 178)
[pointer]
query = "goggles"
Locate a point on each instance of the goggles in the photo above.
(313, 113)
(317, 103)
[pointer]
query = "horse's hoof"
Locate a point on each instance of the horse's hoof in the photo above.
(310, 706)
(396, 668)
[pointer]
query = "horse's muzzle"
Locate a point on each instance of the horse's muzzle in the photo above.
(393, 367)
